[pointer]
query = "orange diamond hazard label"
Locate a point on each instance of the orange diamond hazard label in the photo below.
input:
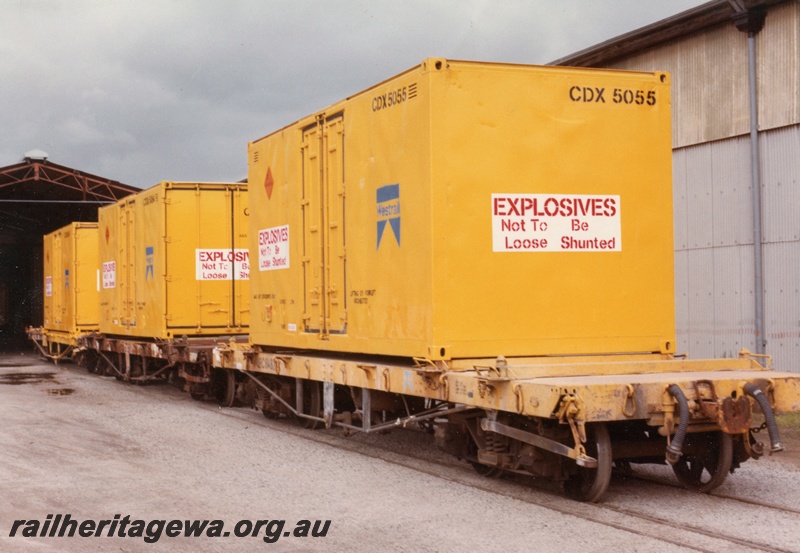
(269, 183)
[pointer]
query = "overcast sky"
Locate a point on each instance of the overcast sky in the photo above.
(150, 90)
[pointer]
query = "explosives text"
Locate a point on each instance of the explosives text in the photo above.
(222, 264)
(273, 248)
(555, 223)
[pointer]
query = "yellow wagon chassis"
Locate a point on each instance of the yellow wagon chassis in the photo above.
(53, 344)
(545, 403)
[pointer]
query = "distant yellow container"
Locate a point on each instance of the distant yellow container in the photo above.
(71, 285)
(466, 210)
(174, 261)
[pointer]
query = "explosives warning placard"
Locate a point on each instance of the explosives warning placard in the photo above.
(556, 223)
(273, 248)
(222, 264)
(110, 274)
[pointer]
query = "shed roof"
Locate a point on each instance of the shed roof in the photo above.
(38, 196)
(690, 21)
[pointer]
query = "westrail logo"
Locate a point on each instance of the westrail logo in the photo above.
(149, 259)
(388, 207)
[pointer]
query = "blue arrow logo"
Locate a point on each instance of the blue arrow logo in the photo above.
(388, 200)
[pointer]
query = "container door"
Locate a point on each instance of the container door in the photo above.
(58, 282)
(70, 281)
(48, 281)
(87, 279)
(127, 255)
(335, 250)
(323, 226)
(203, 266)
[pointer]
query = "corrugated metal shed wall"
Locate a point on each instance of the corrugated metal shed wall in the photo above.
(778, 51)
(710, 99)
(714, 248)
(713, 197)
(781, 207)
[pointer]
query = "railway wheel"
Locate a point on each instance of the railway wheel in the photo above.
(312, 401)
(224, 385)
(590, 484)
(706, 461)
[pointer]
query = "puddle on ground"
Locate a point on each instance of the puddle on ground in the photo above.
(59, 391)
(26, 378)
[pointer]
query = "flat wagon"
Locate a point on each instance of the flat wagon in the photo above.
(71, 290)
(174, 270)
(485, 251)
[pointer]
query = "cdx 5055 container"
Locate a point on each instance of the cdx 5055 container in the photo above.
(466, 209)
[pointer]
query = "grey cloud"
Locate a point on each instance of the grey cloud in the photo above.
(153, 90)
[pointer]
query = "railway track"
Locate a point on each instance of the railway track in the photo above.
(661, 518)
(666, 526)
(721, 495)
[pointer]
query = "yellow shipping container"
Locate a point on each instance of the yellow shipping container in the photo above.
(174, 261)
(467, 209)
(71, 281)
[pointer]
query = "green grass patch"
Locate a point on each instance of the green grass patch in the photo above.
(788, 420)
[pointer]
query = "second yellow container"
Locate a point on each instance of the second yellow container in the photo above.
(174, 261)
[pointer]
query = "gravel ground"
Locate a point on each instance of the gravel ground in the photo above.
(93, 447)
